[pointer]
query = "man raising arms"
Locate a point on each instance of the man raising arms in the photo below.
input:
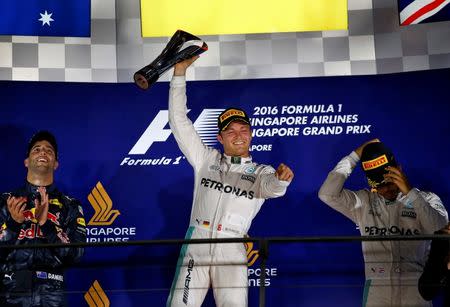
(228, 193)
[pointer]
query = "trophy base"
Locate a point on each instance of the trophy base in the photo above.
(142, 82)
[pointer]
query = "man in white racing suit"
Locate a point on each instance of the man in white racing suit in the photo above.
(229, 190)
(392, 207)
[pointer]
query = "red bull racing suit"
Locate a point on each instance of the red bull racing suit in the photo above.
(392, 268)
(228, 194)
(34, 277)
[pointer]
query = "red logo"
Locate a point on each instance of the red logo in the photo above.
(29, 215)
(368, 165)
(53, 218)
(33, 232)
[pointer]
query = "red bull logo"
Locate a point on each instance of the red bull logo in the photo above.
(33, 232)
(53, 218)
(29, 215)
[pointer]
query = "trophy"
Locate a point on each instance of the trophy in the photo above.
(182, 46)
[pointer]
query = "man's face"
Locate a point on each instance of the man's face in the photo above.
(42, 158)
(236, 139)
(388, 190)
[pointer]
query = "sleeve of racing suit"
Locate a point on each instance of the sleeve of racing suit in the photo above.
(271, 187)
(72, 230)
(182, 128)
(434, 273)
(332, 191)
(429, 208)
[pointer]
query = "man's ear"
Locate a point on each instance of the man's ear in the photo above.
(26, 162)
(56, 165)
(220, 139)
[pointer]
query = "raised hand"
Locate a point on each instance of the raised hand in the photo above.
(284, 173)
(41, 206)
(180, 68)
(360, 148)
(16, 206)
(396, 176)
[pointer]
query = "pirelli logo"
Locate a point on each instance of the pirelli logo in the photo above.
(252, 255)
(96, 297)
(368, 165)
(230, 113)
(102, 204)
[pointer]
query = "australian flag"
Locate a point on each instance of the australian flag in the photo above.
(423, 11)
(45, 17)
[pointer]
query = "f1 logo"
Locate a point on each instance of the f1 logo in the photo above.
(205, 125)
(155, 132)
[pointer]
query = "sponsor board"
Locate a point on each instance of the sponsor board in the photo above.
(96, 296)
(269, 123)
(254, 272)
(105, 215)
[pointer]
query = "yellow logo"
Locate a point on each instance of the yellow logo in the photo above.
(230, 113)
(95, 296)
(252, 255)
(81, 221)
(56, 202)
(102, 204)
(377, 162)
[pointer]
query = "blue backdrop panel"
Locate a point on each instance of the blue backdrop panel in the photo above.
(114, 140)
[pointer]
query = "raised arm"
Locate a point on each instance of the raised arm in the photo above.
(275, 182)
(182, 128)
(332, 191)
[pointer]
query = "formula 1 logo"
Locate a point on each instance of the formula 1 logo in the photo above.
(205, 125)
(102, 204)
(96, 296)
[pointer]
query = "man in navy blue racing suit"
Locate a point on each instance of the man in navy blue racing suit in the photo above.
(38, 213)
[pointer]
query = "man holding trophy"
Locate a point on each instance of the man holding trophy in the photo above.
(229, 191)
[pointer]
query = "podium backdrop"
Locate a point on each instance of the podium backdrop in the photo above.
(118, 156)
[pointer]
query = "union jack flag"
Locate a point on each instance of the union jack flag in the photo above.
(423, 11)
